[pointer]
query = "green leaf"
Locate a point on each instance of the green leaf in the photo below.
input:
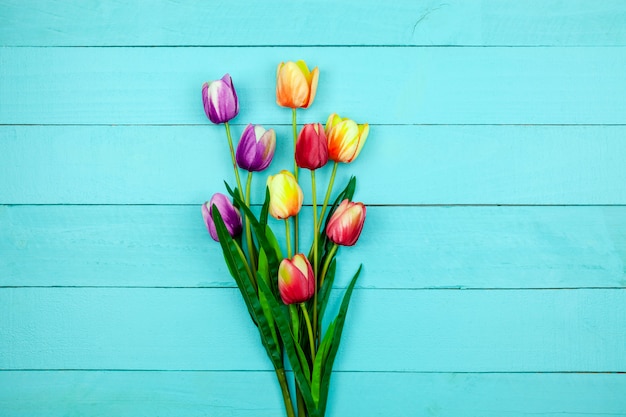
(265, 208)
(234, 256)
(295, 323)
(262, 274)
(324, 293)
(336, 339)
(320, 361)
(350, 188)
(282, 321)
(303, 362)
(236, 266)
(263, 233)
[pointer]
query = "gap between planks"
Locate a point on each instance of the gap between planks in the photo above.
(337, 371)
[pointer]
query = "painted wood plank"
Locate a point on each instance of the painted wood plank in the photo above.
(424, 165)
(412, 86)
(424, 22)
(400, 247)
(387, 330)
(119, 394)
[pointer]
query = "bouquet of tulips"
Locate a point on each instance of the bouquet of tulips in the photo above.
(287, 296)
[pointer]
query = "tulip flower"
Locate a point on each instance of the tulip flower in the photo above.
(296, 282)
(345, 138)
(256, 148)
(230, 215)
(285, 195)
(220, 100)
(295, 84)
(311, 147)
(346, 223)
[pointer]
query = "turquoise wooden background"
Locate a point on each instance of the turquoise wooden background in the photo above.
(495, 246)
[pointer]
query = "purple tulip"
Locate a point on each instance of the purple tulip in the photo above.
(220, 100)
(256, 148)
(230, 215)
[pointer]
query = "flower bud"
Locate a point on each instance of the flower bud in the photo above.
(311, 147)
(295, 84)
(296, 282)
(230, 215)
(220, 100)
(285, 195)
(256, 148)
(346, 223)
(345, 138)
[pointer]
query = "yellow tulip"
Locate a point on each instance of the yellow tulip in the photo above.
(285, 195)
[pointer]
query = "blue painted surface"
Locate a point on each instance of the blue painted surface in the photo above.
(495, 247)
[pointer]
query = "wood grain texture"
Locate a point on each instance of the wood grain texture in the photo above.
(495, 245)
(414, 86)
(398, 165)
(351, 22)
(400, 247)
(228, 394)
(408, 330)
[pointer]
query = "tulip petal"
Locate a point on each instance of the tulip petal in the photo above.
(305, 70)
(346, 223)
(266, 148)
(229, 213)
(296, 282)
(285, 195)
(292, 88)
(313, 86)
(364, 131)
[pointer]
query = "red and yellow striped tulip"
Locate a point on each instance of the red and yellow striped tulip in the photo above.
(346, 223)
(296, 281)
(345, 138)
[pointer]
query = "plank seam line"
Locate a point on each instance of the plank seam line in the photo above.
(223, 46)
(228, 287)
(335, 371)
(425, 205)
(289, 125)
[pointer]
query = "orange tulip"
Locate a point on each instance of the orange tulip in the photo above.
(295, 84)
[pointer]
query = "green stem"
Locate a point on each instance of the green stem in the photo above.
(295, 174)
(329, 258)
(232, 155)
(310, 330)
(284, 387)
(300, 401)
(288, 234)
(295, 139)
(248, 229)
(315, 254)
(328, 192)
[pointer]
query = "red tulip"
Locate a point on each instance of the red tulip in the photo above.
(296, 281)
(346, 223)
(312, 147)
